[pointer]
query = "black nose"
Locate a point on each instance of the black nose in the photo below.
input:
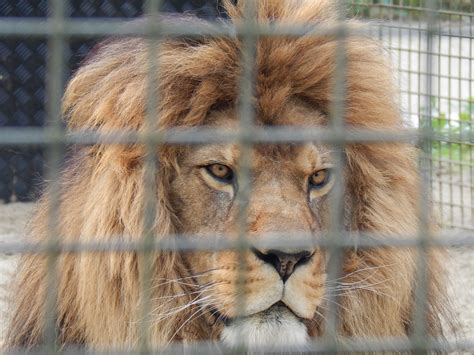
(284, 263)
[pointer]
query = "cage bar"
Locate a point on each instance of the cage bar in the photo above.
(434, 102)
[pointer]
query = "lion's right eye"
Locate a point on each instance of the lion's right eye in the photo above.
(221, 172)
(319, 179)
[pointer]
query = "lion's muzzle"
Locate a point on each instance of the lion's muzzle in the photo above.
(275, 327)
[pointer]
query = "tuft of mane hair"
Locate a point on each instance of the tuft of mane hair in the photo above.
(102, 190)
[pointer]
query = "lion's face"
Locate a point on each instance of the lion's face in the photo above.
(290, 184)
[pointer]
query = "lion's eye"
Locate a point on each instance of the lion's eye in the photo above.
(319, 179)
(221, 172)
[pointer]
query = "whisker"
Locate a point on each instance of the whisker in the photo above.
(204, 289)
(321, 315)
(362, 281)
(179, 309)
(199, 293)
(351, 288)
(196, 315)
(161, 305)
(377, 292)
(361, 270)
(180, 280)
(335, 303)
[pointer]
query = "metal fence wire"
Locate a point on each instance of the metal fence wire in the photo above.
(23, 70)
(430, 42)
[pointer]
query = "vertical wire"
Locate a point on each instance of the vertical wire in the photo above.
(460, 125)
(390, 11)
(337, 230)
(410, 66)
(401, 52)
(450, 123)
(471, 111)
(151, 166)
(420, 332)
(246, 123)
(439, 142)
(55, 68)
(420, 110)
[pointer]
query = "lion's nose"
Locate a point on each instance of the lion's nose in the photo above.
(284, 263)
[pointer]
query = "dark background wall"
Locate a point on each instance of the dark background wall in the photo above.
(22, 79)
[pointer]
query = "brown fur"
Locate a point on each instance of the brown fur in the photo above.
(102, 191)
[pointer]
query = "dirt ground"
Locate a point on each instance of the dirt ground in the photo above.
(460, 266)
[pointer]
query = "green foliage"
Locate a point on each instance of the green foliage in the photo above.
(455, 135)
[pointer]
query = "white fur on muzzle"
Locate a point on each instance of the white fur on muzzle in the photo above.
(275, 327)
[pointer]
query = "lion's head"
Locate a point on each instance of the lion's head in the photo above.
(290, 187)
(193, 293)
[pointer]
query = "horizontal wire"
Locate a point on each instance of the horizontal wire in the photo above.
(86, 27)
(44, 136)
(353, 344)
(183, 242)
(423, 9)
(11, 27)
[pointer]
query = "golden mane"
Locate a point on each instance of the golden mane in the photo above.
(102, 190)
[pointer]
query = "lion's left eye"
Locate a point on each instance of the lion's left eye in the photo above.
(319, 179)
(220, 172)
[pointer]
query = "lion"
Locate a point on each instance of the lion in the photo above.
(193, 293)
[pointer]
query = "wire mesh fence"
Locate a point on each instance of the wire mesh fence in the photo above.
(431, 43)
(442, 97)
(23, 69)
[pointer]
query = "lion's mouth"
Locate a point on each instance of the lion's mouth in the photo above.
(274, 312)
(271, 313)
(277, 325)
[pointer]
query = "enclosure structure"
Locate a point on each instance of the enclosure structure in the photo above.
(23, 75)
(432, 46)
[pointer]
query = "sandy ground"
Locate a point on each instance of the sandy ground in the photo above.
(14, 216)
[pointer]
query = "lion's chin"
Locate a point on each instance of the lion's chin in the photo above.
(275, 327)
